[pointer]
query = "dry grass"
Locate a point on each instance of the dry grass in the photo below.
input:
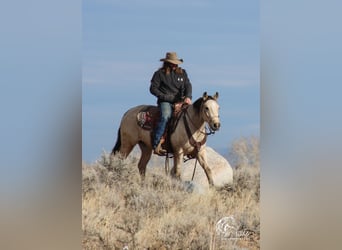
(122, 212)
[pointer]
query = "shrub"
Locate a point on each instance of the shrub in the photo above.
(120, 210)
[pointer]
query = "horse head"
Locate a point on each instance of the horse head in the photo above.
(210, 110)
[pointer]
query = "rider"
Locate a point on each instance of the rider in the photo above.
(170, 84)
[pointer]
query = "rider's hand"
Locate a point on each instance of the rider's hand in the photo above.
(187, 100)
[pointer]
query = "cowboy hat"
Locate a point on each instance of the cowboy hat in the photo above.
(172, 58)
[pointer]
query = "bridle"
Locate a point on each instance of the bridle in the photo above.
(207, 131)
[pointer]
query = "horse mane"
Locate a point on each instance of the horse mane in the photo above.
(198, 103)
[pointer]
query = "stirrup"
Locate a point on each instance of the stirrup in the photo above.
(159, 150)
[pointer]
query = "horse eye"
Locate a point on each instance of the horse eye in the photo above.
(206, 108)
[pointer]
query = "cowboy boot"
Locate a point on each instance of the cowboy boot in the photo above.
(159, 150)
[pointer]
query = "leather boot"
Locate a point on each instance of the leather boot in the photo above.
(159, 150)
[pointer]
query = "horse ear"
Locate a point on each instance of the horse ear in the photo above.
(205, 96)
(216, 96)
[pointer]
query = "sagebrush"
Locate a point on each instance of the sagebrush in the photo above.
(121, 212)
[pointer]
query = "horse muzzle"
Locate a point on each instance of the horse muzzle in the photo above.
(215, 126)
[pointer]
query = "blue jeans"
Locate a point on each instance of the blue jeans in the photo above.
(166, 112)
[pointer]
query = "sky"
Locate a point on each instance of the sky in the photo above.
(123, 42)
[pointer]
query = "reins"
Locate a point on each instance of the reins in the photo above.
(197, 145)
(210, 131)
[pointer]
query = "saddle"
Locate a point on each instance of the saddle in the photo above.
(148, 119)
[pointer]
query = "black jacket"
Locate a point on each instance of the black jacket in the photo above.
(171, 87)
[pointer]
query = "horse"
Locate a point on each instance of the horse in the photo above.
(187, 139)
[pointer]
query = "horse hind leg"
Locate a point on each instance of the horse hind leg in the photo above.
(123, 147)
(125, 150)
(146, 153)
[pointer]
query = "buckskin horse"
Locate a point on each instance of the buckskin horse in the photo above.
(188, 137)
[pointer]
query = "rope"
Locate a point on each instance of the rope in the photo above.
(211, 132)
(193, 174)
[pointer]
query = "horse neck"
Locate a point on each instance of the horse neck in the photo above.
(196, 119)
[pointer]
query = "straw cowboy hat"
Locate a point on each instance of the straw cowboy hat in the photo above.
(172, 58)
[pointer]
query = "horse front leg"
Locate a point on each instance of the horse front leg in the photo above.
(202, 160)
(177, 160)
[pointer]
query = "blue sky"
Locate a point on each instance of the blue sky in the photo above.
(124, 40)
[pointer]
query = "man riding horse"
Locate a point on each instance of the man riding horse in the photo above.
(170, 84)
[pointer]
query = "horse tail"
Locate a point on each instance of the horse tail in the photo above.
(117, 144)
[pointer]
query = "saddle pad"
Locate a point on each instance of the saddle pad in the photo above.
(148, 118)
